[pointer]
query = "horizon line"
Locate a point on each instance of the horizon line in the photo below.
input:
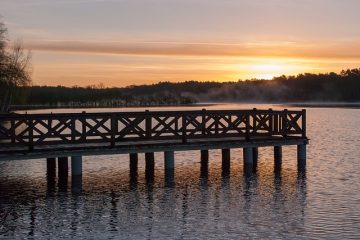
(101, 85)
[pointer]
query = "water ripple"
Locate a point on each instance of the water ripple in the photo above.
(321, 203)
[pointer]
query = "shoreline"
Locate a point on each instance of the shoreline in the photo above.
(323, 105)
(199, 104)
(39, 107)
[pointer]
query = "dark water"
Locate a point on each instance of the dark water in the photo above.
(321, 203)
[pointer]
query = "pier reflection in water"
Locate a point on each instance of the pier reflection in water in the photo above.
(138, 203)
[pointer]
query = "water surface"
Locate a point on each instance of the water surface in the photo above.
(321, 203)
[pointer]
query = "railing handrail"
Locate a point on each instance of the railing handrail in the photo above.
(145, 112)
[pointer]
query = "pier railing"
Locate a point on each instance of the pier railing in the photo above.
(33, 130)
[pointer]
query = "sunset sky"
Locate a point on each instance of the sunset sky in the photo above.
(126, 42)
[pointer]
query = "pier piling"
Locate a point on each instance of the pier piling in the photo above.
(63, 166)
(301, 156)
(149, 166)
(134, 158)
(225, 162)
(51, 167)
(277, 158)
(204, 158)
(76, 183)
(248, 159)
(169, 160)
(204, 162)
(255, 158)
(76, 165)
(248, 156)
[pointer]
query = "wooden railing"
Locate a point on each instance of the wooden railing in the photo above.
(77, 128)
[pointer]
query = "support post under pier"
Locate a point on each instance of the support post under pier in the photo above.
(301, 156)
(248, 155)
(63, 166)
(255, 158)
(149, 166)
(76, 165)
(76, 183)
(204, 161)
(225, 162)
(277, 158)
(51, 167)
(50, 174)
(169, 162)
(248, 159)
(134, 158)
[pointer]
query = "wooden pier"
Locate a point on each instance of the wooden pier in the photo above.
(63, 135)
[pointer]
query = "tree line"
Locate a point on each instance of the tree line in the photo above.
(59, 96)
(307, 87)
(327, 87)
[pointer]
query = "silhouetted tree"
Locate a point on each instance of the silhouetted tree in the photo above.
(14, 68)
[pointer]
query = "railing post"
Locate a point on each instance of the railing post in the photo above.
(73, 129)
(254, 120)
(303, 123)
(276, 122)
(183, 132)
(271, 114)
(113, 129)
(216, 120)
(31, 134)
(247, 125)
(284, 123)
(148, 124)
(203, 121)
(12, 130)
(83, 133)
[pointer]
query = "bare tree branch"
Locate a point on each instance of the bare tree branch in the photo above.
(15, 69)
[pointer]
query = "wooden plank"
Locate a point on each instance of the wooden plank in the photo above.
(145, 146)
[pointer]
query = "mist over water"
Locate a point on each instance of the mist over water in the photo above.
(321, 203)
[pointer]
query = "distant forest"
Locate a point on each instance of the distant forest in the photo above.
(328, 87)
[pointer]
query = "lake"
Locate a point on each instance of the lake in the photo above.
(321, 203)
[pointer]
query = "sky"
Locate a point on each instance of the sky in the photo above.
(131, 42)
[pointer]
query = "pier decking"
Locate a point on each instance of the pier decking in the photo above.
(63, 135)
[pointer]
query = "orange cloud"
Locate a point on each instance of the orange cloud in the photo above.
(345, 49)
